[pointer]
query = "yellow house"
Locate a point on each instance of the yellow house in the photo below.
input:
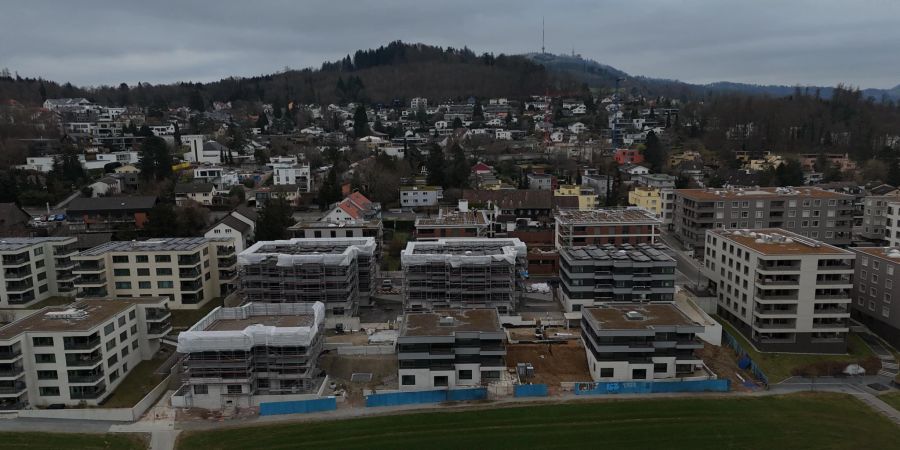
(647, 198)
(587, 199)
(128, 168)
(769, 161)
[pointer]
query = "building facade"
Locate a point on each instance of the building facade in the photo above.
(876, 278)
(419, 196)
(627, 342)
(258, 352)
(606, 226)
(810, 212)
(783, 291)
(338, 272)
(188, 271)
(78, 354)
(464, 273)
(446, 349)
(34, 269)
(594, 275)
(875, 208)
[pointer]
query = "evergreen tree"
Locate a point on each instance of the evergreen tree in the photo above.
(893, 174)
(263, 122)
(330, 191)
(457, 123)
(360, 122)
(653, 152)
(156, 160)
(789, 174)
(161, 221)
(177, 136)
(435, 164)
(274, 219)
(458, 171)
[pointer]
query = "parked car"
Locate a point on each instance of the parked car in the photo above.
(387, 283)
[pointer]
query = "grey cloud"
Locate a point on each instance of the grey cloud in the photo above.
(762, 41)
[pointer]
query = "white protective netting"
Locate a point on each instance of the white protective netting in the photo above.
(308, 251)
(453, 251)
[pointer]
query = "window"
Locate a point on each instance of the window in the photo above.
(123, 336)
(133, 330)
(120, 259)
(42, 341)
(42, 276)
(114, 375)
(888, 284)
(874, 278)
(201, 389)
(134, 344)
(109, 328)
(887, 298)
(44, 358)
(234, 389)
(885, 311)
(163, 271)
(111, 344)
(49, 391)
(112, 360)
(39, 263)
(889, 270)
(864, 261)
(144, 285)
(38, 251)
(872, 305)
(125, 352)
(606, 372)
(441, 381)
(143, 272)
(862, 275)
(123, 285)
(165, 284)
(142, 258)
(47, 375)
(660, 368)
(131, 315)
(873, 292)
(465, 375)
(162, 258)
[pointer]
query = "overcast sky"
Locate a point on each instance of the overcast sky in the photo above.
(822, 42)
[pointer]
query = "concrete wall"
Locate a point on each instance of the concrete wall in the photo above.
(107, 414)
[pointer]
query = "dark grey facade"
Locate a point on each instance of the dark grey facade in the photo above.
(876, 297)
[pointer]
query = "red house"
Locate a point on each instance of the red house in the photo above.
(627, 155)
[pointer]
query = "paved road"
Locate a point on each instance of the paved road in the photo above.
(687, 269)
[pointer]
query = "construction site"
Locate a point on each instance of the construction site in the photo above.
(626, 225)
(464, 273)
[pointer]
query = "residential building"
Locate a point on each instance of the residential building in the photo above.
(785, 292)
(876, 283)
(841, 160)
(189, 271)
(453, 223)
(811, 212)
(600, 183)
(875, 214)
(78, 354)
(258, 352)
(628, 342)
(239, 224)
(201, 193)
(292, 174)
(660, 202)
(341, 229)
(355, 207)
(582, 197)
(540, 181)
(450, 348)
(418, 196)
(509, 205)
(628, 156)
(34, 269)
(109, 213)
(654, 180)
(617, 226)
(418, 103)
(106, 186)
(339, 272)
(594, 275)
(288, 192)
(464, 273)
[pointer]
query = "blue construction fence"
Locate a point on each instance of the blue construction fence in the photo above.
(298, 406)
(651, 387)
(744, 360)
(530, 390)
(435, 396)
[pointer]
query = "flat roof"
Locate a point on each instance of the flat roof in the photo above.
(267, 320)
(153, 245)
(429, 324)
(776, 241)
(889, 253)
(757, 193)
(453, 218)
(308, 246)
(463, 246)
(608, 216)
(96, 312)
(613, 316)
(637, 253)
(11, 244)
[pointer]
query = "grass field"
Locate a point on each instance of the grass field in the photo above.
(55, 441)
(183, 319)
(138, 383)
(892, 398)
(821, 421)
(779, 366)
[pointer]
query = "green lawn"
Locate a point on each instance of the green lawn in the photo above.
(391, 252)
(821, 421)
(779, 366)
(138, 383)
(891, 398)
(183, 319)
(55, 441)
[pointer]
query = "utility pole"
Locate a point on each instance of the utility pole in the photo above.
(542, 36)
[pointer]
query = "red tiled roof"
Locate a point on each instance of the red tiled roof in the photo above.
(355, 204)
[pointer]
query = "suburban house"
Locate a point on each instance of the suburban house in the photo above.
(201, 193)
(418, 196)
(354, 207)
(109, 213)
(239, 224)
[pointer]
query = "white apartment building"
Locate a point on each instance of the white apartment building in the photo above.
(783, 291)
(258, 352)
(33, 269)
(78, 354)
(189, 271)
(292, 174)
(418, 196)
(892, 224)
(418, 102)
(874, 214)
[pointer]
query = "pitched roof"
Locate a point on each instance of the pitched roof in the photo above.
(193, 188)
(355, 205)
(11, 215)
(248, 212)
(882, 189)
(511, 199)
(233, 222)
(145, 202)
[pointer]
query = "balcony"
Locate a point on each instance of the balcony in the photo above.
(763, 295)
(161, 329)
(834, 266)
(16, 260)
(13, 389)
(191, 273)
(191, 260)
(829, 310)
(91, 280)
(87, 392)
(15, 287)
(16, 274)
(779, 267)
(92, 293)
(90, 266)
(10, 354)
(65, 264)
(81, 343)
(78, 376)
(191, 286)
(158, 314)
(227, 262)
(777, 281)
(829, 324)
(11, 370)
(21, 299)
(776, 311)
(83, 359)
(787, 325)
(65, 250)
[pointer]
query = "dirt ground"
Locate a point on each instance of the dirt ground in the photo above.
(723, 362)
(358, 338)
(341, 367)
(553, 363)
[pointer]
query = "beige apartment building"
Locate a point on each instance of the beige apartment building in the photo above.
(189, 271)
(78, 354)
(33, 269)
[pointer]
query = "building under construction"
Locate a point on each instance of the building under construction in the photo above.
(617, 226)
(337, 272)
(464, 273)
(240, 357)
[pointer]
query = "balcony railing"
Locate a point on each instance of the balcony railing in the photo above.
(160, 329)
(16, 388)
(10, 354)
(86, 378)
(87, 361)
(12, 371)
(90, 266)
(11, 274)
(16, 260)
(81, 344)
(79, 394)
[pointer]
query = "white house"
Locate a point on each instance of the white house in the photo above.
(415, 196)
(201, 193)
(239, 224)
(577, 128)
(105, 187)
(293, 174)
(503, 135)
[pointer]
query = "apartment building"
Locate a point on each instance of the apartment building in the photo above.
(785, 292)
(659, 201)
(78, 354)
(617, 226)
(875, 214)
(467, 273)
(189, 271)
(338, 272)
(453, 223)
(540, 181)
(418, 196)
(877, 280)
(628, 342)
(353, 228)
(446, 349)
(892, 224)
(34, 269)
(594, 275)
(254, 353)
(102, 214)
(576, 197)
(292, 174)
(811, 212)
